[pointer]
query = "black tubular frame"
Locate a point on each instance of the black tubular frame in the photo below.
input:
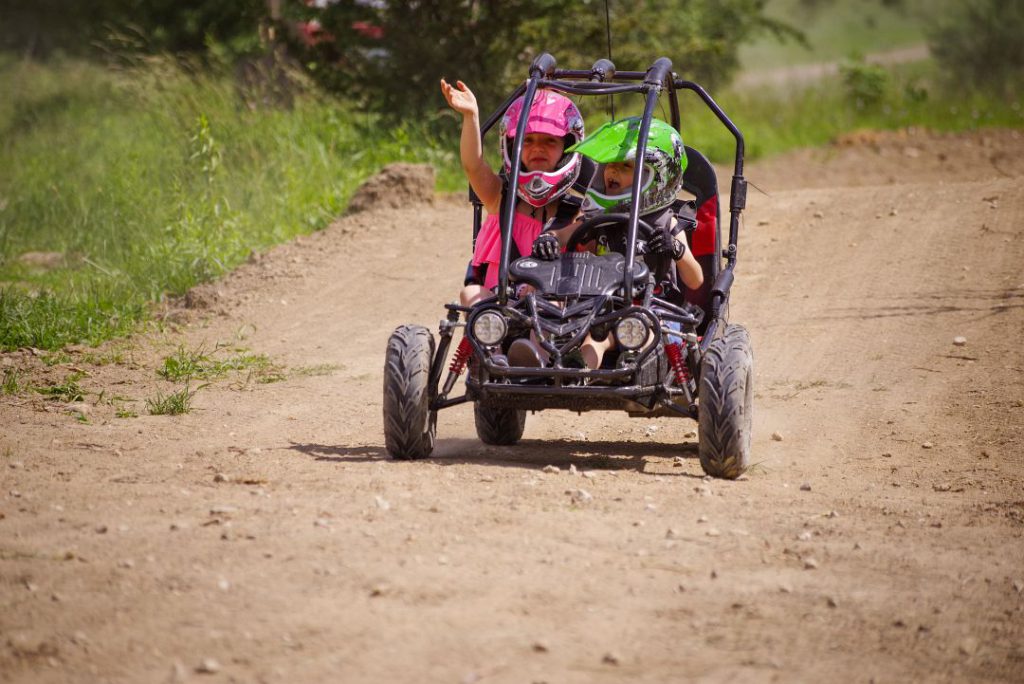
(602, 79)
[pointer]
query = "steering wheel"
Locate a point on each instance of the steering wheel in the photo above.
(588, 230)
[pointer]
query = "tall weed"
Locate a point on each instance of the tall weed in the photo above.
(173, 404)
(152, 178)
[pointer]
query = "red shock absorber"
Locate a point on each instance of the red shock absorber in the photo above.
(674, 352)
(461, 356)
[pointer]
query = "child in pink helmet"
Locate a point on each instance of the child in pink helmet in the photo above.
(547, 173)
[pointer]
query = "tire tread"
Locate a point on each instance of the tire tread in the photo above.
(724, 415)
(499, 426)
(409, 425)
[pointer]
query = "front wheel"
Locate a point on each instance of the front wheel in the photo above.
(500, 426)
(409, 425)
(725, 407)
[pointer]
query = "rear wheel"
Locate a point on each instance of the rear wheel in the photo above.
(725, 404)
(501, 426)
(409, 424)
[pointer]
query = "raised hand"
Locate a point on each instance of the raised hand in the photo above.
(459, 97)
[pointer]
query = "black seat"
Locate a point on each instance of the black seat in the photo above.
(704, 241)
(587, 169)
(576, 274)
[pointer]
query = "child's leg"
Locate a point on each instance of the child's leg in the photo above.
(471, 294)
(477, 286)
(594, 351)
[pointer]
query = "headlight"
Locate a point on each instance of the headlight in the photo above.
(631, 332)
(489, 328)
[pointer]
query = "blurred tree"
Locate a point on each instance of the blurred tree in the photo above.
(387, 55)
(44, 27)
(866, 85)
(191, 25)
(390, 55)
(981, 43)
(702, 37)
(37, 29)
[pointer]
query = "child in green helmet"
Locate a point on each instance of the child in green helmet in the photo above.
(613, 148)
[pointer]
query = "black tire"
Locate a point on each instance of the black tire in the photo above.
(409, 424)
(500, 426)
(725, 404)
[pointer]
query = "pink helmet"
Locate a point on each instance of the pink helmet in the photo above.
(556, 115)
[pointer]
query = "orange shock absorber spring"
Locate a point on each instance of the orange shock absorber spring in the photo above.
(674, 352)
(461, 356)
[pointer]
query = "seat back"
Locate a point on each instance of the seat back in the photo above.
(587, 169)
(700, 180)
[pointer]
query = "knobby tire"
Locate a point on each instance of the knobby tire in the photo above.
(726, 404)
(410, 427)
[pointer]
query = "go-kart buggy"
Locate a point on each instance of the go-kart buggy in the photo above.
(673, 358)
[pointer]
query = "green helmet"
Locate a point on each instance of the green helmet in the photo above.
(664, 164)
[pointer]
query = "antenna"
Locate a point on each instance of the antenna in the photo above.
(608, 33)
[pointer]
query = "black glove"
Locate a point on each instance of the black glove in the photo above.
(546, 247)
(662, 242)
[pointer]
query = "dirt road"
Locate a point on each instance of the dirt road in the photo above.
(265, 537)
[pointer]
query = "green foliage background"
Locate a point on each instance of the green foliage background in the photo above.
(150, 179)
(981, 44)
(154, 145)
(489, 44)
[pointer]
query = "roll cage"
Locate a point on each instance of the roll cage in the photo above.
(602, 79)
(522, 349)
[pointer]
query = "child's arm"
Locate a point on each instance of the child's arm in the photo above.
(687, 268)
(486, 184)
(565, 232)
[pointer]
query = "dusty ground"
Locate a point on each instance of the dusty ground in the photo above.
(266, 537)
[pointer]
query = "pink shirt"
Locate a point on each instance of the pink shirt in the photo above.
(525, 230)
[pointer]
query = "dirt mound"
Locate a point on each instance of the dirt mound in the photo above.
(397, 185)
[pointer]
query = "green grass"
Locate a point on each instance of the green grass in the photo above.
(9, 384)
(66, 391)
(94, 358)
(261, 370)
(315, 370)
(173, 404)
(106, 358)
(56, 358)
(150, 180)
(184, 364)
(72, 311)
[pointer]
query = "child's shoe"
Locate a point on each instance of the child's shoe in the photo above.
(525, 353)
